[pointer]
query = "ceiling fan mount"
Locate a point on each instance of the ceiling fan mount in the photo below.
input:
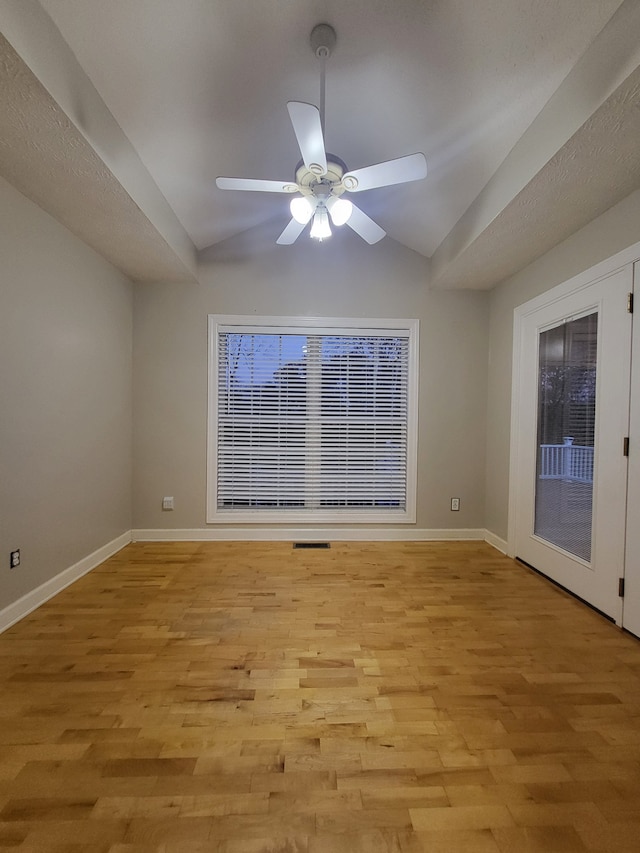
(323, 40)
(321, 179)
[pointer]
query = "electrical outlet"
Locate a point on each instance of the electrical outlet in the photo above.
(167, 503)
(14, 559)
(455, 504)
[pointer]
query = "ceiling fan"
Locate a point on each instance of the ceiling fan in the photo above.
(322, 179)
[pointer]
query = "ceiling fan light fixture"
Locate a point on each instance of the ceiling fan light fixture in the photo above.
(340, 210)
(301, 209)
(321, 229)
(321, 178)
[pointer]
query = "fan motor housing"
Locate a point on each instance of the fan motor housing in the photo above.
(314, 185)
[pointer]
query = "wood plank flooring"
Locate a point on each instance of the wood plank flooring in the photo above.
(370, 698)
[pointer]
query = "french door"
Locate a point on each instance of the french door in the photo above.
(572, 366)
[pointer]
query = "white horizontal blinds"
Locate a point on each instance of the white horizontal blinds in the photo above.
(363, 417)
(312, 422)
(262, 415)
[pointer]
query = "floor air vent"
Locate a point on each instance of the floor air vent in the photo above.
(311, 545)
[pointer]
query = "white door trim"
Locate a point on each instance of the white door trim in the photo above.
(631, 601)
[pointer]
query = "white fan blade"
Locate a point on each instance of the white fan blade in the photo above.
(413, 167)
(291, 233)
(256, 185)
(307, 127)
(364, 226)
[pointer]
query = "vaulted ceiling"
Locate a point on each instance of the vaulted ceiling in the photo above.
(119, 115)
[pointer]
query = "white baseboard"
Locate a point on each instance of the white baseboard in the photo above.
(29, 602)
(496, 541)
(297, 534)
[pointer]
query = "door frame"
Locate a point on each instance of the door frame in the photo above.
(631, 601)
(578, 282)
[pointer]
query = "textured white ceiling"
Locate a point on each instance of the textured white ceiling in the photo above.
(49, 160)
(200, 87)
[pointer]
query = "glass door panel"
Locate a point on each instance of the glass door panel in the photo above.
(567, 364)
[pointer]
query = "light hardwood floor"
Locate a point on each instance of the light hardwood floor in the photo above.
(371, 698)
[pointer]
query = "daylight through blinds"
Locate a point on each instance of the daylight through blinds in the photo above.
(312, 421)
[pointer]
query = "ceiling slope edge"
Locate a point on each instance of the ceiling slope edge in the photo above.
(259, 241)
(577, 159)
(62, 148)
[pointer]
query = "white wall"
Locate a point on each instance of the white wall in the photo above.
(65, 398)
(615, 230)
(341, 277)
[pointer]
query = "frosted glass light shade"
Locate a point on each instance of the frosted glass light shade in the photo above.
(301, 209)
(340, 210)
(321, 229)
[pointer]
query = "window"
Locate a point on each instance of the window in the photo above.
(312, 420)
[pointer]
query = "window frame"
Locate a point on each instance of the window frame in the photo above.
(233, 323)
